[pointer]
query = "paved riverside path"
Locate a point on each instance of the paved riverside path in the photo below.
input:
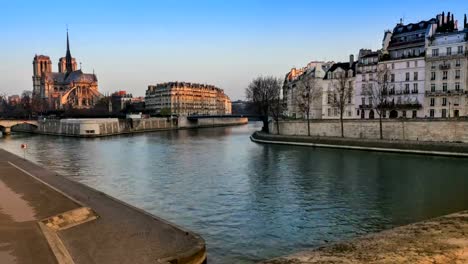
(439, 240)
(47, 218)
(397, 146)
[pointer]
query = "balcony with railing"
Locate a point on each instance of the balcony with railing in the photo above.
(444, 67)
(447, 92)
(365, 106)
(406, 105)
(446, 55)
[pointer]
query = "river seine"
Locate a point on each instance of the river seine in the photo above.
(252, 202)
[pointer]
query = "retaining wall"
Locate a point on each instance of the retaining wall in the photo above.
(440, 130)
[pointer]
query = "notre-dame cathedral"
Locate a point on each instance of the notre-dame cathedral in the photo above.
(67, 88)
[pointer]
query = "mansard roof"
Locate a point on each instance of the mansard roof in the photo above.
(342, 65)
(413, 27)
(75, 77)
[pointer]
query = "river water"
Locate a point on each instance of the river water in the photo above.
(252, 202)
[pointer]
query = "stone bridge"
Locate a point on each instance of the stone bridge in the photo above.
(7, 124)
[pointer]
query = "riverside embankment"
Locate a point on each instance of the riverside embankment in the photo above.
(101, 127)
(47, 218)
(439, 240)
(398, 146)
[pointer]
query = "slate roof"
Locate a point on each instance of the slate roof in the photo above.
(343, 65)
(75, 76)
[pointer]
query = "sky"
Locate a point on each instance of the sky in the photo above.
(132, 44)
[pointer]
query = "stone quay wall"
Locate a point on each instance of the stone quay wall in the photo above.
(102, 126)
(112, 126)
(184, 122)
(438, 130)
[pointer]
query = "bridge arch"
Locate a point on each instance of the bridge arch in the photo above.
(6, 125)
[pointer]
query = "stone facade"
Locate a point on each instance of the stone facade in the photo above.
(440, 130)
(447, 75)
(312, 74)
(366, 73)
(181, 98)
(339, 74)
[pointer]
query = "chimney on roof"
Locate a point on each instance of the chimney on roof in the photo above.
(351, 60)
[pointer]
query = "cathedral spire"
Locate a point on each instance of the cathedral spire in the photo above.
(68, 57)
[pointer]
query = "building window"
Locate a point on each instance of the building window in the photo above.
(406, 88)
(457, 86)
(457, 74)
(415, 76)
(404, 113)
(329, 112)
(392, 77)
(363, 101)
(393, 66)
(407, 64)
(444, 87)
(415, 113)
(433, 76)
(349, 113)
(458, 63)
(444, 113)
(432, 87)
(335, 111)
(435, 52)
(415, 88)
(431, 113)
(444, 101)
(407, 76)
(445, 75)
(433, 66)
(416, 62)
(363, 77)
(460, 49)
(449, 51)
(432, 101)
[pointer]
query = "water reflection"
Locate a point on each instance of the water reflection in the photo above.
(250, 201)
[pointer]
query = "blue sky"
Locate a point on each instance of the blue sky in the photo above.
(131, 44)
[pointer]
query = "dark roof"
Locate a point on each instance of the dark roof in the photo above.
(343, 65)
(75, 76)
(411, 35)
(412, 27)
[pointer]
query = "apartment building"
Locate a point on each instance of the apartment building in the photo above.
(184, 98)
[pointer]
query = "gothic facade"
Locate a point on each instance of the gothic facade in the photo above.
(67, 88)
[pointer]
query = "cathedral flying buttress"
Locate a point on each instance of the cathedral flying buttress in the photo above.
(67, 88)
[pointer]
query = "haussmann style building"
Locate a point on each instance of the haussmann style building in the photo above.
(447, 71)
(185, 99)
(67, 88)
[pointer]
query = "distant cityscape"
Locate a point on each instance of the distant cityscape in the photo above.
(426, 76)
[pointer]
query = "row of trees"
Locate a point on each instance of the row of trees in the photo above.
(265, 93)
(22, 107)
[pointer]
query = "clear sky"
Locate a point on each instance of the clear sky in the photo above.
(131, 44)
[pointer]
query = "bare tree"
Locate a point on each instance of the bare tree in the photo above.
(307, 91)
(379, 93)
(264, 92)
(342, 92)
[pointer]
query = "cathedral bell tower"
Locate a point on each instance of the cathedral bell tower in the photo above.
(41, 65)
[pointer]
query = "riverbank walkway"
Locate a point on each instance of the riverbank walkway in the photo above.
(397, 146)
(437, 241)
(46, 218)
